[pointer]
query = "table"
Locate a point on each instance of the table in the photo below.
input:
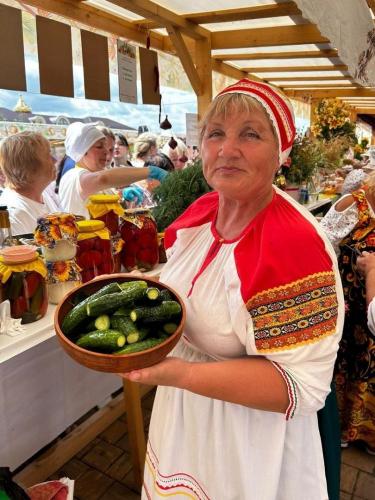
(320, 206)
(43, 392)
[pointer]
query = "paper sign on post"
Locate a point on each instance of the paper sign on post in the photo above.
(127, 72)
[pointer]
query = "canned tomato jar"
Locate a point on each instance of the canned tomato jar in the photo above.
(107, 208)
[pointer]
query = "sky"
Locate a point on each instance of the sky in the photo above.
(176, 103)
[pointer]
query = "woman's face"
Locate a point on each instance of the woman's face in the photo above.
(179, 161)
(96, 157)
(110, 145)
(120, 151)
(240, 154)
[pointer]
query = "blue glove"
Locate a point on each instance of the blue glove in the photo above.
(133, 193)
(156, 173)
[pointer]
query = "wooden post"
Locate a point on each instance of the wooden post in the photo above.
(203, 63)
(136, 431)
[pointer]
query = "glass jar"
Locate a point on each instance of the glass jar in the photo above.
(94, 249)
(62, 277)
(139, 232)
(23, 283)
(162, 254)
(117, 246)
(57, 235)
(107, 208)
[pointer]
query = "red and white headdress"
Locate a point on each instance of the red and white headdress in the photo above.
(277, 106)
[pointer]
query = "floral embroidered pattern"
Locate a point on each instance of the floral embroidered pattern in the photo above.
(299, 313)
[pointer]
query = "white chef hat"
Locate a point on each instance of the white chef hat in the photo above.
(79, 139)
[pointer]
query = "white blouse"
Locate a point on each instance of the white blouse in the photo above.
(337, 225)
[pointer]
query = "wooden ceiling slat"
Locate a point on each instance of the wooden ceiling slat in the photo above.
(230, 15)
(307, 54)
(321, 94)
(155, 12)
(306, 78)
(293, 69)
(267, 37)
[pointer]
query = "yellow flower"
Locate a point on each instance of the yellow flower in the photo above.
(62, 270)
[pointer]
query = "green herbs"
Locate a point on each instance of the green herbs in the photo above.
(177, 192)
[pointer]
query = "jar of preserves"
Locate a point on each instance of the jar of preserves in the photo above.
(57, 235)
(107, 208)
(162, 254)
(23, 283)
(94, 249)
(62, 277)
(139, 232)
(117, 246)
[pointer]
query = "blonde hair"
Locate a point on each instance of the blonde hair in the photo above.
(181, 148)
(20, 158)
(143, 144)
(107, 132)
(224, 105)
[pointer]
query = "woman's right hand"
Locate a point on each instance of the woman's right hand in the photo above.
(156, 173)
(366, 263)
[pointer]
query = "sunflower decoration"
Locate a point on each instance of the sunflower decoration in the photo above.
(332, 119)
(55, 227)
(63, 270)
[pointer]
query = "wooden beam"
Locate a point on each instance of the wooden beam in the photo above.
(227, 70)
(230, 15)
(371, 4)
(267, 37)
(317, 86)
(292, 69)
(99, 19)
(321, 94)
(185, 58)
(306, 54)
(151, 10)
(203, 63)
(306, 78)
(366, 111)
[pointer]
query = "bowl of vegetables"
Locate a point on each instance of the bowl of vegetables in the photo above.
(119, 323)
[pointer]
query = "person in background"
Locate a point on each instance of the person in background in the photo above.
(145, 147)
(86, 145)
(109, 144)
(177, 152)
(28, 168)
(350, 226)
(355, 178)
(235, 413)
(64, 166)
(366, 266)
(121, 152)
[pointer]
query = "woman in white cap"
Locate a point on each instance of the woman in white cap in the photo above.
(235, 413)
(86, 145)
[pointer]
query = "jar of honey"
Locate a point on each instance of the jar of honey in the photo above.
(94, 249)
(139, 232)
(23, 282)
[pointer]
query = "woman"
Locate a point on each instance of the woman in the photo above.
(350, 225)
(28, 167)
(177, 151)
(121, 152)
(109, 144)
(366, 266)
(235, 415)
(145, 147)
(86, 145)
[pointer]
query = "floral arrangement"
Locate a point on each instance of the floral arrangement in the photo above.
(332, 118)
(306, 156)
(360, 148)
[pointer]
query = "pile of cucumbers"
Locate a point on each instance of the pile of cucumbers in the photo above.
(123, 318)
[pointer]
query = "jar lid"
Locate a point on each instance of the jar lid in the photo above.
(57, 218)
(18, 254)
(87, 226)
(104, 198)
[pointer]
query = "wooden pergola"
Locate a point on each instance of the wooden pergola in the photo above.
(268, 40)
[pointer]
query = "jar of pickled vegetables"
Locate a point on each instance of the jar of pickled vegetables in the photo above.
(57, 235)
(107, 208)
(139, 232)
(117, 246)
(23, 283)
(94, 249)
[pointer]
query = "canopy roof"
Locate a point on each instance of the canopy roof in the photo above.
(273, 40)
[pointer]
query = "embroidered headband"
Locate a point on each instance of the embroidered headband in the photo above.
(277, 106)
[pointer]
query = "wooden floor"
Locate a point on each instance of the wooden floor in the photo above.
(103, 470)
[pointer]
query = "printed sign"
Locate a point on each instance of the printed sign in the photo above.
(127, 72)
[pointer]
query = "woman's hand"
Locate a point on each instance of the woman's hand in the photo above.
(171, 372)
(366, 263)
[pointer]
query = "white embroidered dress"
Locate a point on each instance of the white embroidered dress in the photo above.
(203, 448)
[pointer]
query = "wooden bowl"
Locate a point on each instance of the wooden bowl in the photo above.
(109, 362)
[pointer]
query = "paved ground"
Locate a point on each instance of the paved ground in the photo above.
(103, 470)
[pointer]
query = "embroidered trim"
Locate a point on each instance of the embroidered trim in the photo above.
(292, 391)
(295, 314)
(186, 484)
